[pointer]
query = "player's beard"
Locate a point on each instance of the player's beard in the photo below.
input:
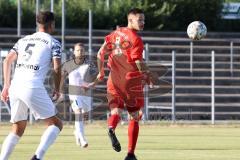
(141, 27)
(79, 59)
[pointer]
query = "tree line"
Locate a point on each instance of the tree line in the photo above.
(161, 15)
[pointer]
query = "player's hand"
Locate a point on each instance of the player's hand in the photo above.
(55, 95)
(94, 83)
(60, 98)
(100, 76)
(91, 85)
(84, 88)
(150, 79)
(5, 94)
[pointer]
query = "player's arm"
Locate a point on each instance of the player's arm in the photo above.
(56, 74)
(142, 66)
(64, 74)
(63, 77)
(56, 61)
(100, 62)
(136, 55)
(10, 58)
(61, 90)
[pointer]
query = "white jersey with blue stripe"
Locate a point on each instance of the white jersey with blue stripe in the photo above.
(35, 53)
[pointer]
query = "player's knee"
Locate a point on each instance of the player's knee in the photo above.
(77, 111)
(117, 111)
(79, 116)
(54, 121)
(135, 116)
(59, 124)
(19, 128)
(19, 131)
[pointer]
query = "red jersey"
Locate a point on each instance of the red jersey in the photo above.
(123, 43)
(123, 47)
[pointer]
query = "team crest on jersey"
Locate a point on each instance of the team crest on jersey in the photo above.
(117, 47)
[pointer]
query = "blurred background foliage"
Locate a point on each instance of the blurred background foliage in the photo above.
(161, 15)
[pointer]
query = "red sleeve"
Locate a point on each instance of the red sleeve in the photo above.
(137, 50)
(104, 48)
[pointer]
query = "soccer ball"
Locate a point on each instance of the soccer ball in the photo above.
(196, 30)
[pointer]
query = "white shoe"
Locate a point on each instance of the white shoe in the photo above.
(76, 138)
(84, 143)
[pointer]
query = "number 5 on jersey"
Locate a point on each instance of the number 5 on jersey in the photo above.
(28, 51)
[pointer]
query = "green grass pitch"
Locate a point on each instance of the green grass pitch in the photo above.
(156, 142)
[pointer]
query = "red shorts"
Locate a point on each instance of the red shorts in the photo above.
(124, 95)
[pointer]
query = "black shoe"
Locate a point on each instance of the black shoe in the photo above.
(34, 158)
(115, 143)
(130, 156)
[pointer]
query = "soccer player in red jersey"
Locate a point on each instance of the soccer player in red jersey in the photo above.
(127, 77)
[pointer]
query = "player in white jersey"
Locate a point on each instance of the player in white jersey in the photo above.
(77, 70)
(34, 55)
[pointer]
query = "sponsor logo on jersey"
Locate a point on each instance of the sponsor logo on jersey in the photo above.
(27, 66)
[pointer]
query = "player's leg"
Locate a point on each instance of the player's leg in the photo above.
(80, 104)
(79, 127)
(54, 126)
(76, 111)
(134, 107)
(116, 106)
(19, 114)
(112, 124)
(114, 118)
(12, 139)
(133, 130)
(43, 108)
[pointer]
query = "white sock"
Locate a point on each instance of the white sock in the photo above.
(8, 145)
(47, 139)
(79, 129)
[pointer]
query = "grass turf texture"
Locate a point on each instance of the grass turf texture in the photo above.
(156, 142)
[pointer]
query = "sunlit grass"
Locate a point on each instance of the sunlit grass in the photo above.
(156, 142)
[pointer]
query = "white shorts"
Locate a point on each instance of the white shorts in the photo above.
(35, 99)
(80, 102)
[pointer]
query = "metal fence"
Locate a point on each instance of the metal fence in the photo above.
(5, 108)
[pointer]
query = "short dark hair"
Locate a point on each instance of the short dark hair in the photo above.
(79, 44)
(135, 11)
(45, 17)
